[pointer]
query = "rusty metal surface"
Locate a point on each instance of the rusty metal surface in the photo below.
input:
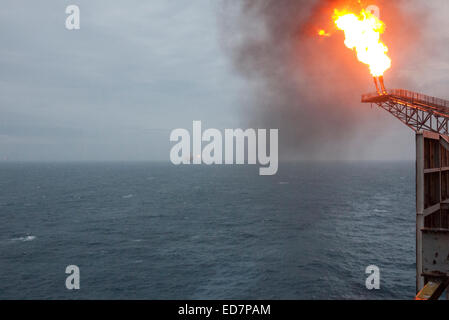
(432, 290)
(435, 252)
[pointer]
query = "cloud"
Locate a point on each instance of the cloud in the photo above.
(134, 71)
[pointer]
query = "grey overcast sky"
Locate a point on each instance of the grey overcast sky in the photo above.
(136, 69)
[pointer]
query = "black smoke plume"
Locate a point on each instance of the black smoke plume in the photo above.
(306, 85)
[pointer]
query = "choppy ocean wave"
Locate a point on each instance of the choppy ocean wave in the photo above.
(207, 232)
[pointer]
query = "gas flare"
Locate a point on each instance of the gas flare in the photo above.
(323, 33)
(362, 33)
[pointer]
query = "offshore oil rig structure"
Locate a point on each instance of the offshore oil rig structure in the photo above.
(428, 117)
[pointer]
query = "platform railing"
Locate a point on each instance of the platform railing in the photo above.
(410, 95)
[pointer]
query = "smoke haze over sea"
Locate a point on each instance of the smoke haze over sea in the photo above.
(116, 88)
(310, 86)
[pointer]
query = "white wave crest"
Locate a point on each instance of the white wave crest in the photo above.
(24, 239)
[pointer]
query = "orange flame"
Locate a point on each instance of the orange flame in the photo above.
(362, 34)
(323, 33)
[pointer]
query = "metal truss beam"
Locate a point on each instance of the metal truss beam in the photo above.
(416, 119)
(416, 111)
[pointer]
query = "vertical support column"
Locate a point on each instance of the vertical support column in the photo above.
(419, 207)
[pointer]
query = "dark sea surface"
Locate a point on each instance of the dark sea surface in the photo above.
(156, 231)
